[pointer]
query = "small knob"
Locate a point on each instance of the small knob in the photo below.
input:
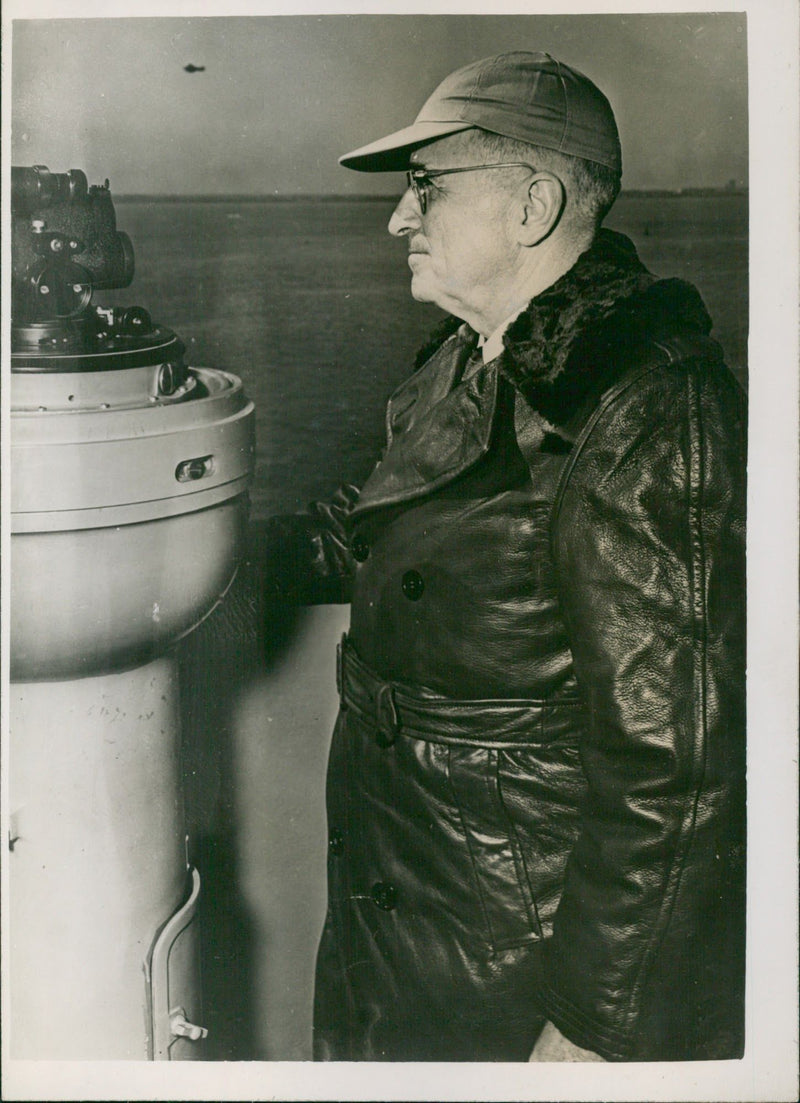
(181, 1028)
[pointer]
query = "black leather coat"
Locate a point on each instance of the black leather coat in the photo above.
(536, 785)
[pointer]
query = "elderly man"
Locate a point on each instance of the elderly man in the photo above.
(535, 790)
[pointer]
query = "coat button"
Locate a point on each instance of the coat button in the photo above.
(384, 895)
(336, 843)
(413, 585)
(359, 548)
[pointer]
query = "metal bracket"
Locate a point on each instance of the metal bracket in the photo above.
(169, 1022)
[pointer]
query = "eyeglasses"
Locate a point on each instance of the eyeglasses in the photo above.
(420, 180)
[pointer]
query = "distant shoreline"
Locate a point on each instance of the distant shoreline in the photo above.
(631, 193)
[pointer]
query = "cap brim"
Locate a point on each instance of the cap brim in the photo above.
(391, 154)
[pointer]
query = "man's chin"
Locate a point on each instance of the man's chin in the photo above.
(420, 292)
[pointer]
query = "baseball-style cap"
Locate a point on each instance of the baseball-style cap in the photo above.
(523, 95)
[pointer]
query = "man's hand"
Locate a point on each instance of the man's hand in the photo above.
(551, 1045)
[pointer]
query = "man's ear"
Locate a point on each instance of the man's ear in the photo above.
(543, 208)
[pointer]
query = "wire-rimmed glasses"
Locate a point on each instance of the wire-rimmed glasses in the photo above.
(421, 179)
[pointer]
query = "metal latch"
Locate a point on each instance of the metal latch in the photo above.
(181, 1028)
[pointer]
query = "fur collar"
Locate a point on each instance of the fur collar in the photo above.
(581, 333)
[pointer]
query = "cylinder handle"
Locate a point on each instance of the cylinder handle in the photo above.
(181, 1028)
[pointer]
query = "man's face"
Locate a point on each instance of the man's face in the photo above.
(462, 251)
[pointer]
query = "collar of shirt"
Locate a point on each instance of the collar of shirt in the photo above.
(492, 345)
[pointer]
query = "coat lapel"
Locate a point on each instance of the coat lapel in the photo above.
(437, 427)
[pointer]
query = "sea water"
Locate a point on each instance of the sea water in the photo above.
(308, 302)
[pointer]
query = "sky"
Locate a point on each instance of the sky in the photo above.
(282, 97)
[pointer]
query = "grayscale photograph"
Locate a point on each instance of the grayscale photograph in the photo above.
(377, 529)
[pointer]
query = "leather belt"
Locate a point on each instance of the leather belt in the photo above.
(393, 708)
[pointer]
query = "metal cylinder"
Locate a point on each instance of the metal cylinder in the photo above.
(98, 860)
(128, 501)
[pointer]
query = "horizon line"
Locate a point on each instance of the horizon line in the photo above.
(338, 197)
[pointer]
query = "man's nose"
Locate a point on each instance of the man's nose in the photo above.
(406, 215)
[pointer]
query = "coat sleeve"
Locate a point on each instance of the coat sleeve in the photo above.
(305, 558)
(646, 959)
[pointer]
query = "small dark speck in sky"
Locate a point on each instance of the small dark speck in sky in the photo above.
(657, 72)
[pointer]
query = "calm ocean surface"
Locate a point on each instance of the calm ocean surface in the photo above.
(308, 302)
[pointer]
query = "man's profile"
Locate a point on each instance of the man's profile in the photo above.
(536, 782)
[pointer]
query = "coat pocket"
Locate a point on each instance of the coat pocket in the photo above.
(497, 859)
